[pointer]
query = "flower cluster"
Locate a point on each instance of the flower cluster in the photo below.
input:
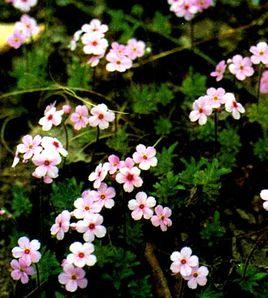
(44, 152)
(23, 31)
(214, 99)
(89, 224)
(119, 57)
(86, 214)
(187, 265)
(264, 196)
(242, 67)
(23, 5)
(142, 207)
(27, 253)
(98, 116)
(188, 8)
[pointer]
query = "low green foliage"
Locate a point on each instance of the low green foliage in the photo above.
(21, 205)
(212, 229)
(146, 98)
(65, 193)
(162, 126)
(48, 265)
(119, 141)
(204, 175)
(261, 149)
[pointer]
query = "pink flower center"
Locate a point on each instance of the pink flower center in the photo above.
(91, 226)
(103, 196)
(30, 146)
(47, 163)
(73, 277)
(56, 144)
(141, 206)
(215, 98)
(200, 110)
(118, 62)
(27, 251)
(145, 156)
(100, 116)
(94, 43)
(81, 255)
(195, 274)
(183, 261)
(50, 117)
(162, 217)
(186, 6)
(234, 104)
(241, 67)
(261, 53)
(129, 177)
(87, 208)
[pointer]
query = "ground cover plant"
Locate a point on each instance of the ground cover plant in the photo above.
(134, 148)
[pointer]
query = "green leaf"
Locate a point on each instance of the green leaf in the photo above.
(161, 24)
(21, 204)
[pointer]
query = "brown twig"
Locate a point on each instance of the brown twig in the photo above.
(161, 286)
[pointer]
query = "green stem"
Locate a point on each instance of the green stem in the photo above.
(37, 279)
(215, 133)
(259, 82)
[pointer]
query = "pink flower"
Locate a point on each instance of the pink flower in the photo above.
(197, 277)
(72, 278)
(117, 62)
(51, 117)
(104, 196)
(29, 147)
(80, 117)
(91, 226)
(86, 205)
(29, 24)
(264, 196)
(264, 82)
(161, 217)
(53, 144)
(142, 206)
(219, 71)
(101, 116)
(24, 5)
(216, 97)
(118, 49)
(145, 157)
(129, 177)
(203, 4)
(94, 43)
(94, 60)
(135, 49)
(62, 224)
(260, 53)
(185, 8)
(81, 254)
(232, 106)
(16, 39)
(99, 174)
(114, 163)
(128, 163)
(183, 261)
(201, 109)
(27, 250)
(95, 26)
(241, 67)
(67, 109)
(21, 271)
(46, 163)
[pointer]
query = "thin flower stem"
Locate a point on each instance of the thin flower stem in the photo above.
(215, 133)
(258, 240)
(66, 136)
(192, 34)
(37, 279)
(158, 141)
(259, 82)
